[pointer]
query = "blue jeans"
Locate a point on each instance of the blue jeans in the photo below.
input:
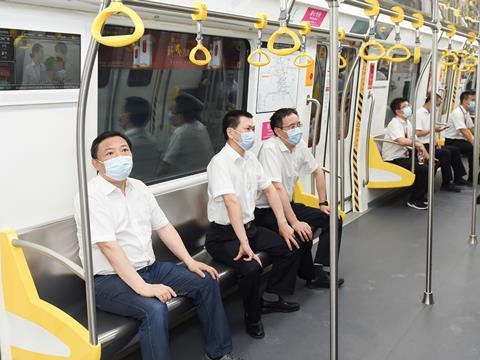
(115, 296)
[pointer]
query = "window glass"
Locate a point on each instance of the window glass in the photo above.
(349, 54)
(170, 108)
(33, 60)
(462, 13)
(403, 77)
(318, 90)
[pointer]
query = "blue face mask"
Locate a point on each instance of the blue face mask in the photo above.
(407, 111)
(247, 141)
(118, 168)
(294, 135)
(471, 106)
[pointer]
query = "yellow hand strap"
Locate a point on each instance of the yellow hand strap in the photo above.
(343, 62)
(117, 40)
(259, 52)
(283, 30)
(444, 60)
(416, 55)
(371, 44)
(204, 50)
(398, 47)
(308, 58)
(374, 10)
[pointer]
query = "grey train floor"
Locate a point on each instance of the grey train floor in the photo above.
(380, 311)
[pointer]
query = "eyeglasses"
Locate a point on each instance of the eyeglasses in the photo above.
(291, 127)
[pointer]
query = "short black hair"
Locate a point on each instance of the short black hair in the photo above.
(36, 49)
(232, 119)
(61, 47)
(139, 110)
(429, 98)
(396, 104)
(464, 96)
(276, 120)
(103, 136)
(189, 107)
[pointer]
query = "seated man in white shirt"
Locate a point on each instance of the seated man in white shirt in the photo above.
(234, 179)
(448, 156)
(128, 280)
(460, 132)
(399, 132)
(284, 158)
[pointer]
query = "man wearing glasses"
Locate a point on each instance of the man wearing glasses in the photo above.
(284, 157)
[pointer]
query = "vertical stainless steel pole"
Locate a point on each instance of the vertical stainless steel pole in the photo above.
(316, 121)
(82, 184)
(428, 295)
(333, 82)
(473, 240)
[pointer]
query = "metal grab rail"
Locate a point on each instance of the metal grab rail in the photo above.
(367, 146)
(428, 295)
(390, 142)
(62, 260)
(342, 127)
(333, 185)
(473, 239)
(82, 183)
(316, 121)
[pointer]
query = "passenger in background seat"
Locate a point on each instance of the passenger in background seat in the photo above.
(448, 156)
(460, 132)
(128, 280)
(134, 120)
(234, 178)
(285, 157)
(399, 133)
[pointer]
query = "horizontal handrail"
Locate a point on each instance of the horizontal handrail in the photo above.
(62, 260)
(391, 142)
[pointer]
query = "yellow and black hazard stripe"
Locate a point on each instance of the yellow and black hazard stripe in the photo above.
(356, 143)
(455, 90)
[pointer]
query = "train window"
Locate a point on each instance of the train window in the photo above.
(403, 77)
(318, 89)
(36, 60)
(382, 30)
(467, 9)
(349, 54)
(170, 108)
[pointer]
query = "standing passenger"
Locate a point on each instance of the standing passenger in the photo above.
(460, 132)
(399, 132)
(448, 156)
(128, 280)
(285, 157)
(234, 178)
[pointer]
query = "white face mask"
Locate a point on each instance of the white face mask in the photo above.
(118, 168)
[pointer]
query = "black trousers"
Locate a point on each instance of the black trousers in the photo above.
(465, 148)
(420, 185)
(449, 158)
(316, 219)
(222, 244)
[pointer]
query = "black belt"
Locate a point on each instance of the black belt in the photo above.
(247, 225)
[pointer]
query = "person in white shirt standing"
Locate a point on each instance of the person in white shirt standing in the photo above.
(399, 135)
(234, 179)
(448, 156)
(460, 132)
(128, 280)
(285, 157)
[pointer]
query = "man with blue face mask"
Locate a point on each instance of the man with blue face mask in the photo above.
(285, 157)
(128, 280)
(399, 136)
(234, 179)
(459, 134)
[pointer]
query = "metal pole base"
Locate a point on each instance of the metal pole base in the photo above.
(473, 240)
(428, 299)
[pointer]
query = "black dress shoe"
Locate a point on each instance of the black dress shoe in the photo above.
(461, 182)
(450, 187)
(322, 281)
(254, 328)
(280, 305)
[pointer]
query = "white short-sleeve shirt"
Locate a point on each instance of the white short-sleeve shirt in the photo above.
(230, 173)
(284, 166)
(397, 128)
(459, 119)
(423, 123)
(128, 219)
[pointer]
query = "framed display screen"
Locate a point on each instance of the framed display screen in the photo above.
(35, 60)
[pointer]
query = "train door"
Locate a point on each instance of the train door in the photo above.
(321, 92)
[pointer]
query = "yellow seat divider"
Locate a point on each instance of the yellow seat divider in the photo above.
(384, 175)
(301, 197)
(22, 301)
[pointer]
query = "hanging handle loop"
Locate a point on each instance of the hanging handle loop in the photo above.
(450, 58)
(199, 16)
(342, 61)
(372, 12)
(283, 30)
(117, 7)
(417, 25)
(261, 24)
(398, 47)
(297, 61)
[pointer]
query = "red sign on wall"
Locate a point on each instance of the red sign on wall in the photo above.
(371, 75)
